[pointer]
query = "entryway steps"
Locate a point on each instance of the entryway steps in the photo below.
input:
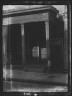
(34, 69)
(37, 77)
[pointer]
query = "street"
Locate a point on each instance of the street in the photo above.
(27, 87)
(35, 82)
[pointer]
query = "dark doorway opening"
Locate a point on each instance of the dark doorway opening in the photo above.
(57, 59)
(35, 39)
(14, 45)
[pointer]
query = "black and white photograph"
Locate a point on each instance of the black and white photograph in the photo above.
(36, 48)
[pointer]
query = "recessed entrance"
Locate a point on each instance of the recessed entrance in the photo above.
(35, 43)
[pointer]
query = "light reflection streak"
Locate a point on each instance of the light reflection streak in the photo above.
(4, 72)
(64, 89)
(11, 72)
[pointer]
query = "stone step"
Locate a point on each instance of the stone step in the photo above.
(34, 69)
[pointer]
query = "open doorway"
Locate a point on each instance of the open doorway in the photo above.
(35, 41)
(14, 45)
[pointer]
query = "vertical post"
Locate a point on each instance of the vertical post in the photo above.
(4, 49)
(65, 40)
(47, 41)
(23, 44)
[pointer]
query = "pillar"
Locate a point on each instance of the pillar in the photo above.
(65, 40)
(4, 50)
(23, 45)
(47, 42)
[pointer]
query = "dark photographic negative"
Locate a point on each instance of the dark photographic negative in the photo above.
(35, 48)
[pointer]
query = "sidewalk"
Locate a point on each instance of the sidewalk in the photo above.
(33, 77)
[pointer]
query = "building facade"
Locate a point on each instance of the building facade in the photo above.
(34, 38)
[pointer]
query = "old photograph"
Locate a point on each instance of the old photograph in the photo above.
(35, 44)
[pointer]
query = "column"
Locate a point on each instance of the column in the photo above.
(4, 49)
(47, 42)
(23, 45)
(65, 40)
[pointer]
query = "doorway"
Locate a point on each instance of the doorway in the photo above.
(57, 58)
(35, 41)
(14, 45)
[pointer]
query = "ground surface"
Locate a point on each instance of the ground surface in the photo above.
(35, 82)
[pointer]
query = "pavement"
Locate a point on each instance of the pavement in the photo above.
(10, 86)
(46, 78)
(34, 81)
